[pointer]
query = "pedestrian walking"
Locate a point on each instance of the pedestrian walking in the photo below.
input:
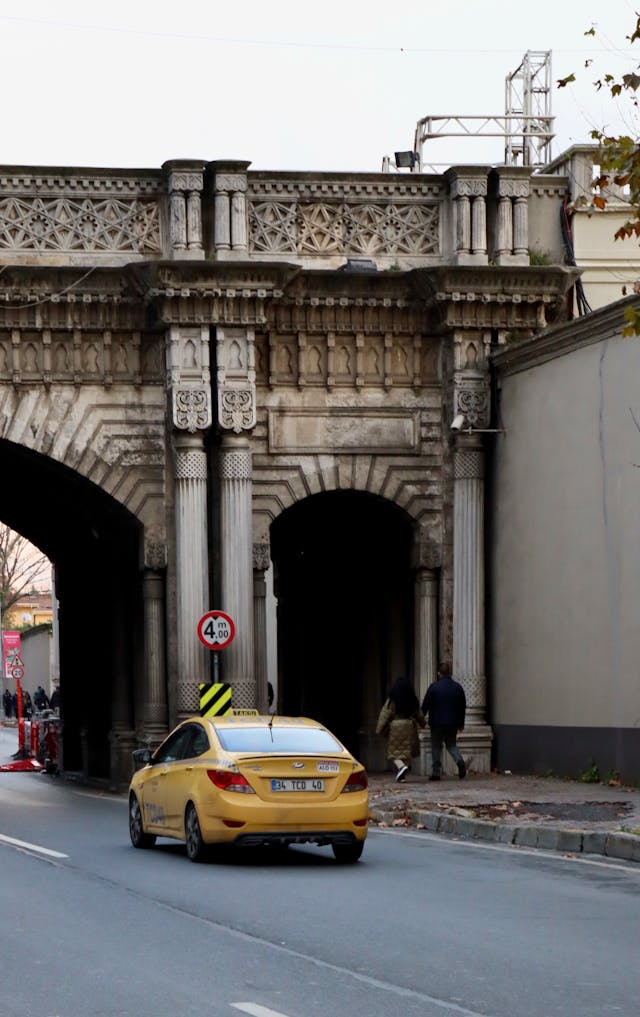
(40, 699)
(8, 704)
(27, 705)
(446, 705)
(54, 703)
(399, 720)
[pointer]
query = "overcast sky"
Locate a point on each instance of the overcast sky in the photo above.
(288, 84)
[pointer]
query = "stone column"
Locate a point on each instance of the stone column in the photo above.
(504, 234)
(426, 629)
(154, 705)
(461, 211)
(230, 228)
(479, 226)
(192, 567)
(185, 182)
(521, 226)
(426, 649)
(236, 565)
(122, 739)
(468, 595)
(468, 191)
(510, 189)
(261, 561)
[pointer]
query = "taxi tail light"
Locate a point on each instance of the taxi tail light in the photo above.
(226, 780)
(356, 782)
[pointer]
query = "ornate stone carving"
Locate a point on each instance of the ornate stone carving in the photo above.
(235, 465)
(155, 555)
(88, 224)
(468, 464)
(261, 557)
(474, 404)
(231, 182)
(191, 409)
(358, 228)
(186, 181)
(237, 409)
(191, 464)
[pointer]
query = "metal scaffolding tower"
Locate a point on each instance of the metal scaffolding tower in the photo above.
(527, 124)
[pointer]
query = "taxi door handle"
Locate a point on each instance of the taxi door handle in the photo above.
(188, 768)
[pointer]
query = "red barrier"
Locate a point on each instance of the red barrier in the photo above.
(33, 739)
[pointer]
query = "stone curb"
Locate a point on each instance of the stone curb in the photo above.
(625, 846)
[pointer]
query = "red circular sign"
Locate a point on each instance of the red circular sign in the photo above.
(216, 630)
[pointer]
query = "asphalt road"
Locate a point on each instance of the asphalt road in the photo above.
(422, 926)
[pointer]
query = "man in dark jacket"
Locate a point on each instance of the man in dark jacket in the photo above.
(446, 704)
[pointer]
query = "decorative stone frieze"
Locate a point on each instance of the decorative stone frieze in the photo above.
(191, 409)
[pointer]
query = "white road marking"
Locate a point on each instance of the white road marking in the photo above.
(101, 797)
(540, 853)
(31, 847)
(257, 1011)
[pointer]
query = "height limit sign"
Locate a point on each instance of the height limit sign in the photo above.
(216, 630)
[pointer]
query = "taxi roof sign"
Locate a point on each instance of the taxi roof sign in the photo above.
(243, 713)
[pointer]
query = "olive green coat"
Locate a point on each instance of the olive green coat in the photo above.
(401, 732)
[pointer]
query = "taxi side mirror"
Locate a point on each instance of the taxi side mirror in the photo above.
(141, 757)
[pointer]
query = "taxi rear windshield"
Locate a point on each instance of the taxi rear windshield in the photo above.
(278, 739)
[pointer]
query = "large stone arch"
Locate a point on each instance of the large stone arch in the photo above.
(95, 546)
(344, 586)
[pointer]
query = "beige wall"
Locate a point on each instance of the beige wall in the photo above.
(566, 555)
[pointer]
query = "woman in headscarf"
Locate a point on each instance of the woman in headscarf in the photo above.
(399, 720)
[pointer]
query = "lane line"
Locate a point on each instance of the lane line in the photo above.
(255, 1010)
(12, 842)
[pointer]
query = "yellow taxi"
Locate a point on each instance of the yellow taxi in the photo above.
(249, 781)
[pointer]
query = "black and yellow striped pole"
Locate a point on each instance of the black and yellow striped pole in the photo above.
(215, 699)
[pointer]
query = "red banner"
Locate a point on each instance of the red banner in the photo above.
(10, 653)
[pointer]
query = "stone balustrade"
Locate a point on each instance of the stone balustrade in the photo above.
(192, 210)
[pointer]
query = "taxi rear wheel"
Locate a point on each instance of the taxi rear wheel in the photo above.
(347, 853)
(196, 848)
(139, 838)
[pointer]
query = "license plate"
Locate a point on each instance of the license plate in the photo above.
(302, 784)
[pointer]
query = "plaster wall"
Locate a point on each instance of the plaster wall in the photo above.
(566, 556)
(609, 267)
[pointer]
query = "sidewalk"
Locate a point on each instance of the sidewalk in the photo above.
(533, 812)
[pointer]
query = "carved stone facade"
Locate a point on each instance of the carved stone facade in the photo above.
(133, 305)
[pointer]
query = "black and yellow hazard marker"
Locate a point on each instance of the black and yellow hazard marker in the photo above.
(215, 699)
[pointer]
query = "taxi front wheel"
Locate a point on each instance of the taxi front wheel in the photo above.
(139, 838)
(347, 853)
(196, 848)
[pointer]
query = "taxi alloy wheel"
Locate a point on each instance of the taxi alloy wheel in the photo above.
(196, 847)
(139, 838)
(347, 853)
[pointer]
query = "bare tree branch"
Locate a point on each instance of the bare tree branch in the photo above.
(22, 567)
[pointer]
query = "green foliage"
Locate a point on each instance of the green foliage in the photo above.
(592, 774)
(537, 257)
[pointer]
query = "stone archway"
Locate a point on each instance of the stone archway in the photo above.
(345, 609)
(94, 545)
